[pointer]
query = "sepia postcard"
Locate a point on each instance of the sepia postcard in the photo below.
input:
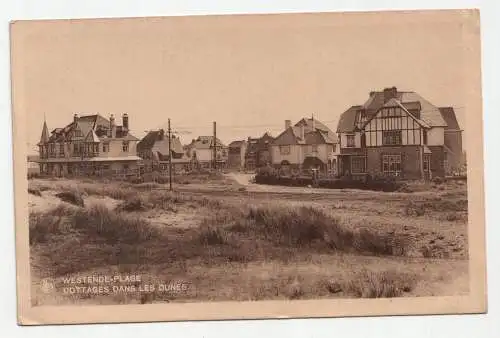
(248, 166)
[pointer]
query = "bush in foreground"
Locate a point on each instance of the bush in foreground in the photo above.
(71, 196)
(385, 284)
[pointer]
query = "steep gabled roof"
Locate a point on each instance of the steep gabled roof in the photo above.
(44, 138)
(293, 135)
(92, 137)
(236, 144)
(347, 121)
(310, 122)
(156, 142)
(205, 142)
(449, 116)
(429, 115)
(148, 140)
(87, 123)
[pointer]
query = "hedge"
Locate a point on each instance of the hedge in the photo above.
(376, 184)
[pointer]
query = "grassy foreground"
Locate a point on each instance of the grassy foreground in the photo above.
(246, 248)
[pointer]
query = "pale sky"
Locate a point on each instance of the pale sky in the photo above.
(248, 73)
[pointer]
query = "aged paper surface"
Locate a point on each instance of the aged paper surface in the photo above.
(248, 166)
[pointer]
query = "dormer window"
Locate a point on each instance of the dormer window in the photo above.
(350, 140)
(125, 146)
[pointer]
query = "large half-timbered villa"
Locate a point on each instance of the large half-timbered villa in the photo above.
(400, 134)
(89, 145)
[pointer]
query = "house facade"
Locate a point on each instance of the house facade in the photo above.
(90, 145)
(201, 152)
(258, 152)
(236, 154)
(399, 134)
(154, 150)
(309, 144)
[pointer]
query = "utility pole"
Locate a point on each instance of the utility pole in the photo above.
(215, 146)
(169, 155)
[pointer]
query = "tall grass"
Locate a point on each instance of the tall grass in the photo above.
(385, 284)
(306, 227)
(98, 221)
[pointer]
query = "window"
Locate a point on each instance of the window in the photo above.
(284, 150)
(427, 163)
(125, 146)
(391, 137)
(350, 141)
(334, 147)
(314, 148)
(424, 134)
(52, 149)
(61, 149)
(105, 147)
(391, 163)
(358, 164)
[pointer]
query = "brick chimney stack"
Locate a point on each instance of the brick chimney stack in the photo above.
(288, 124)
(75, 117)
(112, 126)
(125, 121)
(390, 93)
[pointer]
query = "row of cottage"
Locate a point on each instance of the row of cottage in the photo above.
(394, 133)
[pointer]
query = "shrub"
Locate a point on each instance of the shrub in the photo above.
(71, 196)
(419, 208)
(386, 284)
(114, 226)
(136, 180)
(452, 217)
(438, 180)
(212, 235)
(34, 191)
(50, 223)
(134, 204)
(345, 182)
(307, 226)
(162, 180)
(375, 243)
(414, 209)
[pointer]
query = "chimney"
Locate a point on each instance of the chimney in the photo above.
(75, 118)
(312, 122)
(112, 126)
(125, 121)
(162, 134)
(390, 93)
(288, 124)
(372, 93)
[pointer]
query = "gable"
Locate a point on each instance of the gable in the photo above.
(285, 138)
(347, 121)
(450, 118)
(393, 109)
